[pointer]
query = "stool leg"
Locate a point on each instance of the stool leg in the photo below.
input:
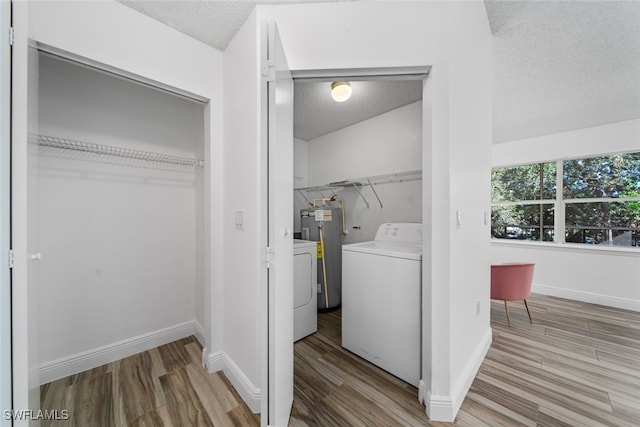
(528, 312)
(506, 307)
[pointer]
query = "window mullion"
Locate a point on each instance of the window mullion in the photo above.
(558, 219)
(603, 200)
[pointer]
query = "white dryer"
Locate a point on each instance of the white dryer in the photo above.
(305, 296)
(381, 299)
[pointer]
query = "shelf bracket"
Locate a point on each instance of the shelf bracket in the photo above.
(360, 193)
(374, 192)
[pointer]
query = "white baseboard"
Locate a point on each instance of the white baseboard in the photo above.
(220, 361)
(592, 298)
(461, 389)
(199, 333)
(251, 395)
(439, 408)
(215, 362)
(79, 362)
(445, 408)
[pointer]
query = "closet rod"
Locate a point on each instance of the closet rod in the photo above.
(89, 147)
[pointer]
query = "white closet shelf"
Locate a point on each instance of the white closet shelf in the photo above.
(89, 147)
(381, 179)
(358, 183)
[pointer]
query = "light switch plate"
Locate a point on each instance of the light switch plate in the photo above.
(239, 219)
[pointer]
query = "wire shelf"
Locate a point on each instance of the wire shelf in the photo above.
(359, 183)
(412, 175)
(107, 150)
(381, 179)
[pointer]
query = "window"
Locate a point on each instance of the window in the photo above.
(523, 202)
(598, 202)
(601, 199)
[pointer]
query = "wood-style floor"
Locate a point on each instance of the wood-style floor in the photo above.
(166, 386)
(578, 364)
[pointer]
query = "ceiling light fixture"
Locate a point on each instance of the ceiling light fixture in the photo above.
(340, 91)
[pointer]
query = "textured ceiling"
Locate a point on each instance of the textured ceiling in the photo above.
(316, 113)
(558, 65)
(213, 22)
(562, 65)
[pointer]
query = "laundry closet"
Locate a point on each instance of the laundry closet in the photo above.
(357, 166)
(119, 216)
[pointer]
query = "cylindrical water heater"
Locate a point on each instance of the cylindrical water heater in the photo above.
(324, 225)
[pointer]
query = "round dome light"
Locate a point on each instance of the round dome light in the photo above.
(340, 91)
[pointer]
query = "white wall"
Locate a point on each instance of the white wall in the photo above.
(300, 177)
(300, 163)
(388, 143)
(118, 238)
(200, 261)
(243, 175)
(609, 276)
(470, 94)
(592, 141)
(401, 202)
(77, 102)
(145, 49)
(455, 39)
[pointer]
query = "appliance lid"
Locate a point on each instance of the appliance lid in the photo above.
(400, 232)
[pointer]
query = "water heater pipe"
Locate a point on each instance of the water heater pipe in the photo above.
(324, 268)
(344, 221)
(323, 200)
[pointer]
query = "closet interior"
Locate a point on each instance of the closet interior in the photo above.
(119, 190)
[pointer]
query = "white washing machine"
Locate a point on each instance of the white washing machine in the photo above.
(305, 296)
(381, 299)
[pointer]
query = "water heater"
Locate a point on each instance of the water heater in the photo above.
(324, 224)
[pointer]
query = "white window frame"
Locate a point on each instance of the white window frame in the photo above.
(560, 204)
(533, 202)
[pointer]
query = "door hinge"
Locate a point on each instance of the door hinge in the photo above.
(269, 71)
(269, 256)
(10, 258)
(11, 36)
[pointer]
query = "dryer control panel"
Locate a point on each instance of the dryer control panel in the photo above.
(400, 232)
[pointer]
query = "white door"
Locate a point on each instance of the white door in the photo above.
(5, 212)
(24, 218)
(280, 234)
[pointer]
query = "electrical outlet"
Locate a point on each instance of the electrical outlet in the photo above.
(478, 308)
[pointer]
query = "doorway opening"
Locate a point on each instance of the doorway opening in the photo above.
(359, 162)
